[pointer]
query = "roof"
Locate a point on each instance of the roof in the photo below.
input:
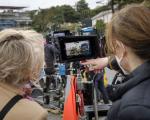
(12, 7)
(101, 14)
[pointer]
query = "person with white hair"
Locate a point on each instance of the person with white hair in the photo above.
(21, 59)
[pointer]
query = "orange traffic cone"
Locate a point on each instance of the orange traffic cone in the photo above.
(70, 112)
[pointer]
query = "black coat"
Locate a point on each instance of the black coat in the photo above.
(50, 54)
(132, 98)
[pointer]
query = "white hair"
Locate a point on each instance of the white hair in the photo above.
(21, 55)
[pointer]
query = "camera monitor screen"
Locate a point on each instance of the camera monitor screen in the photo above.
(76, 48)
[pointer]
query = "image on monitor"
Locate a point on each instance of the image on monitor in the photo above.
(79, 48)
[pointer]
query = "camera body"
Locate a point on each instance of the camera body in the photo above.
(78, 48)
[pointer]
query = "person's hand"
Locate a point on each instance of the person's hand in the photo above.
(96, 64)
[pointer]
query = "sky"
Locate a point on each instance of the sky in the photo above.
(35, 4)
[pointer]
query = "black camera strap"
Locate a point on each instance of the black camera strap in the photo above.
(9, 105)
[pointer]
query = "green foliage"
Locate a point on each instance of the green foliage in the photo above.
(38, 22)
(100, 26)
(56, 16)
(69, 14)
(83, 9)
(82, 6)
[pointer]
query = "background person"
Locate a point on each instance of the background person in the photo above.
(50, 59)
(128, 39)
(22, 56)
(100, 87)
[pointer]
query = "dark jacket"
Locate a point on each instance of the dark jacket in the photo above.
(50, 54)
(50, 57)
(132, 98)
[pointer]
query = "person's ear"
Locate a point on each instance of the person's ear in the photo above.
(119, 49)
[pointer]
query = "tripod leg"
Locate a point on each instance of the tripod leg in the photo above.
(95, 103)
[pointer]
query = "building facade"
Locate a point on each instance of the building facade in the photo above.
(105, 16)
(13, 17)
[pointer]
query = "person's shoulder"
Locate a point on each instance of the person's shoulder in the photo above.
(135, 103)
(134, 112)
(32, 109)
(28, 103)
(139, 95)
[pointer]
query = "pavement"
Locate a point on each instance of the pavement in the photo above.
(52, 116)
(58, 117)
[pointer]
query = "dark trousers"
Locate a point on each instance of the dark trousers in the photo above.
(49, 78)
(99, 82)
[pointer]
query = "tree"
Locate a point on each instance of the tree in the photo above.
(38, 23)
(54, 16)
(58, 15)
(83, 9)
(69, 14)
(82, 6)
(100, 26)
